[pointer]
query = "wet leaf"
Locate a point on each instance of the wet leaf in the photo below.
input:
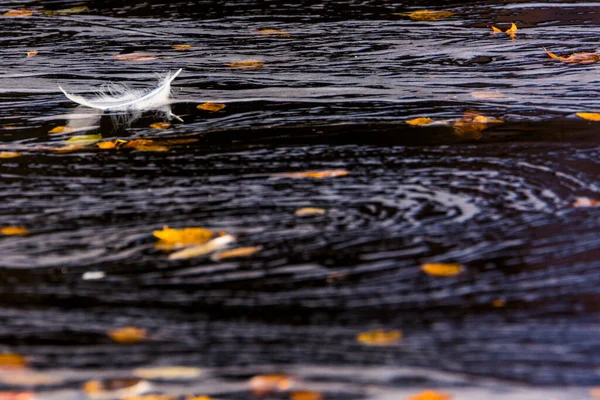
(138, 142)
(236, 253)
(167, 373)
(586, 202)
(154, 147)
(12, 359)
(442, 269)
(128, 335)
(273, 32)
(202, 249)
(263, 385)
(589, 116)
(208, 106)
(182, 47)
(472, 124)
(379, 338)
(17, 395)
(18, 13)
(423, 121)
(107, 145)
(160, 125)
(309, 211)
(487, 95)
(183, 237)
(12, 231)
(512, 31)
(498, 303)
(61, 129)
(246, 64)
(431, 395)
(115, 388)
(496, 30)
(133, 57)
(152, 397)
(198, 398)
(427, 15)
(581, 58)
(170, 142)
(67, 11)
(316, 174)
(32, 53)
(84, 140)
(306, 396)
(9, 154)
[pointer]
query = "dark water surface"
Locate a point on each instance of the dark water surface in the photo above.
(334, 95)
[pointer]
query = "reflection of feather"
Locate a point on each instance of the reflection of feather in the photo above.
(127, 99)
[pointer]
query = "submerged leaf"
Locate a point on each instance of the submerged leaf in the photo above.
(316, 174)
(273, 32)
(167, 373)
(128, 335)
(202, 249)
(208, 106)
(13, 230)
(262, 385)
(309, 211)
(246, 64)
(589, 116)
(427, 15)
(32, 53)
(498, 303)
(12, 359)
(236, 253)
(423, 121)
(9, 154)
(442, 269)
(182, 47)
(379, 338)
(581, 58)
(18, 13)
(431, 395)
(160, 125)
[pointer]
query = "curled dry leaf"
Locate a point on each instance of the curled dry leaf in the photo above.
(273, 32)
(133, 57)
(32, 53)
(586, 202)
(236, 253)
(160, 125)
(61, 129)
(128, 335)
(427, 15)
(174, 238)
(423, 121)
(18, 13)
(581, 58)
(11, 231)
(246, 64)
(115, 388)
(309, 211)
(17, 395)
(316, 174)
(167, 373)
(9, 154)
(379, 338)
(200, 250)
(306, 396)
(208, 106)
(589, 116)
(182, 47)
(12, 360)
(263, 385)
(431, 395)
(442, 269)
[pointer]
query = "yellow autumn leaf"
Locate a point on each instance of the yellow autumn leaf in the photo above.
(12, 360)
(236, 253)
(273, 32)
(442, 269)
(246, 64)
(160, 125)
(263, 385)
(184, 237)
(423, 121)
(306, 396)
(430, 395)
(496, 30)
(133, 57)
(182, 47)
(427, 15)
(589, 116)
(32, 53)
(586, 202)
(208, 106)
(379, 338)
(13, 230)
(84, 140)
(580, 58)
(9, 154)
(18, 13)
(128, 335)
(107, 145)
(203, 249)
(61, 129)
(316, 174)
(309, 211)
(512, 30)
(167, 372)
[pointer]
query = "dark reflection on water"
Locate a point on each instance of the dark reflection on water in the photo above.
(334, 95)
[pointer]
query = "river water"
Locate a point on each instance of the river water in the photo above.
(337, 84)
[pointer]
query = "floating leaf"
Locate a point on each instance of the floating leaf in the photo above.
(67, 11)
(208, 106)
(183, 237)
(160, 125)
(423, 121)
(472, 124)
(154, 147)
(18, 13)
(586, 202)
(589, 116)
(496, 30)
(273, 32)
(498, 303)
(309, 211)
(107, 145)
(236, 253)
(9, 154)
(431, 395)
(427, 15)
(135, 57)
(11, 359)
(202, 249)
(84, 140)
(262, 385)
(182, 47)
(17, 396)
(26, 377)
(512, 31)
(128, 335)
(61, 129)
(167, 373)
(306, 396)
(138, 142)
(32, 53)
(487, 95)
(442, 269)
(379, 338)
(316, 174)
(115, 388)
(246, 64)
(198, 398)
(152, 397)
(581, 58)
(11, 231)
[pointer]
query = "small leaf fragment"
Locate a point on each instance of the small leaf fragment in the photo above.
(306, 396)
(203, 249)
(246, 64)
(154, 147)
(273, 32)
(128, 335)
(262, 385)
(310, 211)
(61, 129)
(316, 174)
(586, 202)
(431, 395)
(379, 338)
(160, 125)
(12, 360)
(167, 373)
(208, 106)
(236, 253)
(134, 57)
(182, 47)
(18, 13)
(427, 15)
(442, 269)
(10, 154)
(422, 121)
(32, 53)
(589, 116)
(13, 230)
(496, 30)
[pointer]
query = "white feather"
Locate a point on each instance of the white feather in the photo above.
(126, 99)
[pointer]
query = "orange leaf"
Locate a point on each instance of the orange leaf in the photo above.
(498, 303)
(17, 396)
(423, 121)
(198, 398)
(581, 58)
(208, 106)
(107, 145)
(310, 211)
(12, 360)
(183, 237)
(496, 30)
(235, 253)
(431, 395)
(61, 129)
(135, 57)
(589, 116)
(586, 202)
(246, 64)
(472, 124)
(512, 31)
(152, 397)
(316, 174)
(182, 47)
(442, 269)
(262, 385)
(128, 335)
(379, 338)
(306, 396)
(273, 32)
(13, 230)
(9, 154)
(18, 13)
(427, 15)
(32, 53)
(160, 125)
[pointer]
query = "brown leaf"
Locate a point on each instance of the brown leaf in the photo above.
(423, 121)
(263, 385)
(138, 142)
(306, 396)
(12, 231)
(32, 53)
(581, 58)
(208, 106)
(18, 13)
(61, 129)
(12, 359)
(128, 335)
(133, 57)
(589, 116)
(379, 338)
(309, 211)
(586, 202)
(316, 174)
(182, 47)
(236, 253)
(246, 64)
(498, 303)
(9, 154)
(472, 124)
(427, 15)
(153, 147)
(160, 125)
(430, 395)
(273, 32)
(442, 269)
